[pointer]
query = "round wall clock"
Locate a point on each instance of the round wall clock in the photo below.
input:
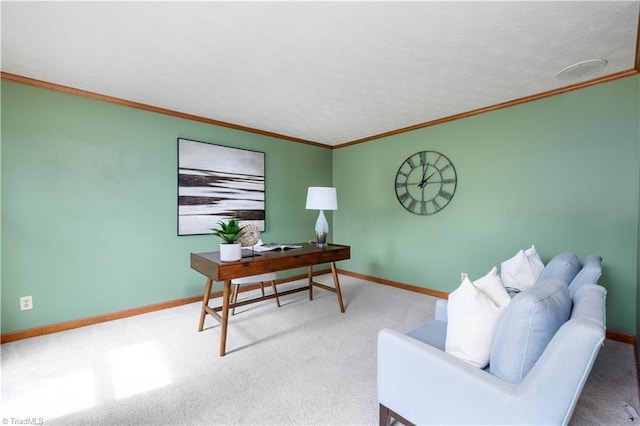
(426, 182)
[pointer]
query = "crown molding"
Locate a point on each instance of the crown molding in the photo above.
(554, 92)
(78, 92)
(118, 101)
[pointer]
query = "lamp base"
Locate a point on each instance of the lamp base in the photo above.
(322, 229)
(321, 239)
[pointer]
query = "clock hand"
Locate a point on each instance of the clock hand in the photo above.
(424, 181)
(424, 172)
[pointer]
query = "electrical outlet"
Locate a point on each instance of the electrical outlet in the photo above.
(26, 303)
(463, 275)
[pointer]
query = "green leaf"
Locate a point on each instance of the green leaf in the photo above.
(229, 232)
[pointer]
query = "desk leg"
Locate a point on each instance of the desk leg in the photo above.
(310, 277)
(205, 302)
(226, 292)
(334, 272)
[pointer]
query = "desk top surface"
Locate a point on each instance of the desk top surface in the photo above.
(210, 265)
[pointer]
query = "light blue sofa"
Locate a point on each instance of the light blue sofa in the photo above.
(545, 346)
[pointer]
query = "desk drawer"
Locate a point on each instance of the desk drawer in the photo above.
(243, 269)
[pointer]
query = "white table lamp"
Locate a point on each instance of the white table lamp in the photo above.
(322, 198)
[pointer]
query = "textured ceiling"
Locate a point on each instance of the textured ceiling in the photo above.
(326, 72)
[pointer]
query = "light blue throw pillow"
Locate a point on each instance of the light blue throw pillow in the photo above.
(563, 267)
(527, 326)
(589, 274)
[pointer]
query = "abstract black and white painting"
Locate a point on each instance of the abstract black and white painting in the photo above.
(216, 183)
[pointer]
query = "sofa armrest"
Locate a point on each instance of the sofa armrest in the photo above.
(441, 310)
(428, 386)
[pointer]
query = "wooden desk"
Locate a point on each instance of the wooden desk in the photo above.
(210, 265)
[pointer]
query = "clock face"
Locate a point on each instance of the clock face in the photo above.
(426, 182)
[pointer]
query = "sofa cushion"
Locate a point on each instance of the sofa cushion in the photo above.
(563, 267)
(472, 322)
(522, 270)
(589, 274)
(432, 332)
(527, 326)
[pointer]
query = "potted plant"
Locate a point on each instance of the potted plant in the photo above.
(230, 232)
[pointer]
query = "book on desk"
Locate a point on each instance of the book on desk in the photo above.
(272, 247)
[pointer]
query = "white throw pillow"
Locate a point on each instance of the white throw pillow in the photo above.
(522, 270)
(534, 259)
(492, 286)
(472, 324)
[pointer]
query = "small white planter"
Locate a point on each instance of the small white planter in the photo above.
(230, 252)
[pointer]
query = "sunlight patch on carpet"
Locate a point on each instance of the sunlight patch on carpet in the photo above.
(56, 397)
(136, 369)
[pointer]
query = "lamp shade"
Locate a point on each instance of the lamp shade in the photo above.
(322, 198)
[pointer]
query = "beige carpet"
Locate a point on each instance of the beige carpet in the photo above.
(303, 363)
(612, 383)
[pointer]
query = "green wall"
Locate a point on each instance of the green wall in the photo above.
(560, 173)
(89, 199)
(89, 193)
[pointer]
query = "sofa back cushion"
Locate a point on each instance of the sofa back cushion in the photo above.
(526, 327)
(589, 274)
(563, 267)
